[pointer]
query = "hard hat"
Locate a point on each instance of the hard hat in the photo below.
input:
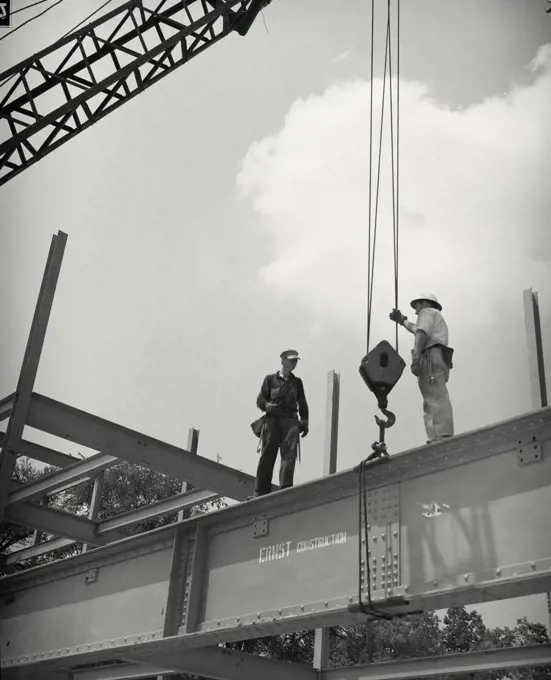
(430, 298)
(290, 354)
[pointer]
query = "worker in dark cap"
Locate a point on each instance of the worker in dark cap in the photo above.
(283, 400)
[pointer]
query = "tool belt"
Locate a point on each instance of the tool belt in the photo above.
(447, 353)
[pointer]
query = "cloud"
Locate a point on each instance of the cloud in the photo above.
(474, 205)
(343, 56)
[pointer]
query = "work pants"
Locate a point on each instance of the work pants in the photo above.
(437, 408)
(282, 434)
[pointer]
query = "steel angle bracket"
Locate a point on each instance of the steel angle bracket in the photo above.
(531, 452)
(260, 527)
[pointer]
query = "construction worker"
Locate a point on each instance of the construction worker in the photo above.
(431, 363)
(281, 397)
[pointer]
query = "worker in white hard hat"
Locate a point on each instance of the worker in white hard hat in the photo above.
(431, 363)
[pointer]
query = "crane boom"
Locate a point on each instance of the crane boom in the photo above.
(57, 93)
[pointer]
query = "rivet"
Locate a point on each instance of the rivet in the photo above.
(374, 560)
(218, 623)
(325, 603)
(406, 589)
(375, 538)
(279, 610)
(533, 565)
(258, 615)
(238, 619)
(350, 599)
(302, 607)
(395, 556)
(466, 577)
(435, 583)
(498, 572)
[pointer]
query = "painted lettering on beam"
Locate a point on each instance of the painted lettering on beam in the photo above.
(274, 552)
(280, 551)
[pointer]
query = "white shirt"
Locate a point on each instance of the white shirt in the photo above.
(432, 322)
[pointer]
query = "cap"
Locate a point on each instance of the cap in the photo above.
(290, 354)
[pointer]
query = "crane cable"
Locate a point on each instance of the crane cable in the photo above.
(362, 491)
(372, 231)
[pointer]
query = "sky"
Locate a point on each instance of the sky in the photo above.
(222, 216)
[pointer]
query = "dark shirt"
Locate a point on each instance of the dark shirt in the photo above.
(287, 396)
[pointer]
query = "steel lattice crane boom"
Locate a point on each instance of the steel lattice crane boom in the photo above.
(54, 95)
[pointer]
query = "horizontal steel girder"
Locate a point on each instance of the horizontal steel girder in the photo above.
(217, 663)
(6, 405)
(50, 521)
(456, 664)
(447, 526)
(42, 453)
(106, 531)
(55, 481)
(98, 434)
(62, 90)
(450, 664)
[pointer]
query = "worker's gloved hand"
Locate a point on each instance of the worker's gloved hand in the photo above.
(304, 427)
(397, 316)
(415, 364)
(271, 407)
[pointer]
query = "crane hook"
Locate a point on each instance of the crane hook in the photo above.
(379, 448)
(385, 424)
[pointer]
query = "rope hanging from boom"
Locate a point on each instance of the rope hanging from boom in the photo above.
(382, 367)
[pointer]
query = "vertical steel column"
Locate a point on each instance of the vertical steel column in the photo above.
(321, 640)
(176, 588)
(180, 556)
(536, 368)
(192, 446)
(195, 590)
(29, 367)
(95, 503)
(38, 536)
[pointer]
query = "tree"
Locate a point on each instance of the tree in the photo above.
(463, 631)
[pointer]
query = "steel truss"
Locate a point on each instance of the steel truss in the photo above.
(54, 95)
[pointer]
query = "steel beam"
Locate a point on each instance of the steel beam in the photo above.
(321, 639)
(217, 663)
(29, 367)
(109, 528)
(57, 481)
(165, 507)
(536, 366)
(450, 664)
(447, 527)
(42, 453)
(192, 447)
(5, 406)
(95, 502)
(101, 435)
(406, 669)
(58, 523)
(34, 551)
